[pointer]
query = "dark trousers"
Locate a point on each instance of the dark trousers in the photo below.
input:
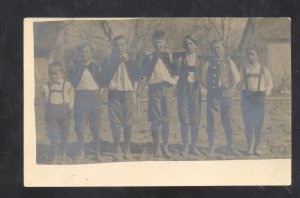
(160, 106)
(189, 110)
(87, 112)
(121, 111)
(219, 104)
(253, 110)
(57, 119)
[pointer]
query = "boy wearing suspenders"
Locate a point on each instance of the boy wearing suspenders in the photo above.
(256, 84)
(59, 97)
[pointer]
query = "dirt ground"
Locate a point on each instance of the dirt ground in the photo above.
(275, 143)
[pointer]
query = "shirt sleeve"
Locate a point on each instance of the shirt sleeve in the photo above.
(235, 74)
(241, 84)
(204, 70)
(268, 81)
(69, 92)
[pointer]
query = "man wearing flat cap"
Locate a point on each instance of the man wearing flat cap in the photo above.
(158, 71)
(189, 93)
(220, 77)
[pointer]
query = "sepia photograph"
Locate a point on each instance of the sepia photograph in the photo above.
(159, 90)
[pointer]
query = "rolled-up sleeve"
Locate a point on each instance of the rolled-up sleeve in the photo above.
(236, 78)
(268, 81)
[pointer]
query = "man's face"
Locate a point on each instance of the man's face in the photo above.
(159, 44)
(217, 50)
(190, 46)
(252, 56)
(86, 53)
(55, 74)
(121, 46)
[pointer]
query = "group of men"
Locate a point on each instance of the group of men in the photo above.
(162, 72)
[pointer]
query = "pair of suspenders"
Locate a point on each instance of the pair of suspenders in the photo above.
(57, 91)
(259, 76)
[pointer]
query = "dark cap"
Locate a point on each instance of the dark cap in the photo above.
(191, 37)
(158, 35)
(216, 42)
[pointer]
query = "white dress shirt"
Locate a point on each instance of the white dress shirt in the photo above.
(87, 81)
(121, 80)
(161, 74)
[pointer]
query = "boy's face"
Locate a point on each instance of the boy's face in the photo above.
(217, 50)
(55, 74)
(252, 56)
(159, 44)
(190, 46)
(86, 53)
(121, 46)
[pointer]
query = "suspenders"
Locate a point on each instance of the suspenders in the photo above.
(58, 91)
(247, 75)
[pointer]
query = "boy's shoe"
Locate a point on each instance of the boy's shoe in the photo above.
(118, 156)
(166, 151)
(80, 157)
(249, 150)
(195, 150)
(230, 151)
(127, 155)
(185, 150)
(157, 151)
(98, 157)
(210, 149)
(257, 151)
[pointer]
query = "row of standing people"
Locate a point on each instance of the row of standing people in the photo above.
(122, 76)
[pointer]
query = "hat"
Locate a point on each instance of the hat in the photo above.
(158, 35)
(191, 37)
(216, 42)
(253, 48)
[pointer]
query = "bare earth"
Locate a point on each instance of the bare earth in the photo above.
(276, 136)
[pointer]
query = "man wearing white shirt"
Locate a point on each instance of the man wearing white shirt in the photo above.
(161, 75)
(120, 74)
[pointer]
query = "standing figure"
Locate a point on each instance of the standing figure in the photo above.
(189, 94)
(220, 77)
(256, 84)
(158, 70)
(84, 77)
(120, 74)
(59, 98)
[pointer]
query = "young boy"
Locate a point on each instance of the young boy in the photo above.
(84, 77)
(59, 97)
(256, 85)
(220, 77)
(120, 74)
(189, 93)
(158, 70)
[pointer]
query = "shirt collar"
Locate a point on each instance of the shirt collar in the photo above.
(60, 81)
(191, 54)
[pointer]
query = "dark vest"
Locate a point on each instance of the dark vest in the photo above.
(151, 60)
(77, 71)
(111, 65)
(183, 69)
(219, 69)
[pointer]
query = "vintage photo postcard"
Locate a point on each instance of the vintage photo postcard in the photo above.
(157, 101)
